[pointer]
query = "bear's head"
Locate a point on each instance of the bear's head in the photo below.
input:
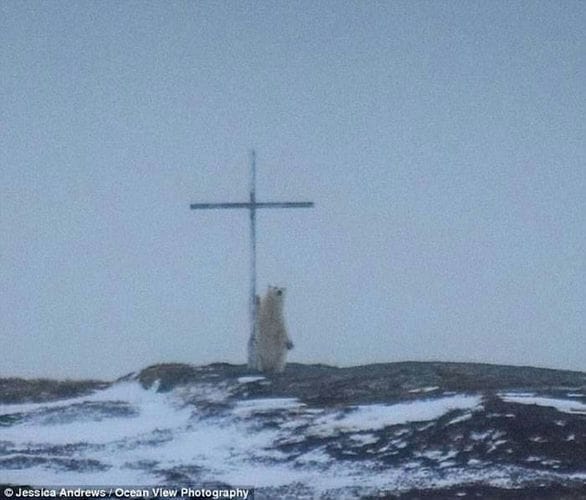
(277, 291)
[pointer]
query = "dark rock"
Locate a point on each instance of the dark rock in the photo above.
(18, 390)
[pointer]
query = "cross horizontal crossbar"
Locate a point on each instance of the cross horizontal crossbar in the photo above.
(270, 204)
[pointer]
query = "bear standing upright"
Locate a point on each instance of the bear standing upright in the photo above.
(272, 340)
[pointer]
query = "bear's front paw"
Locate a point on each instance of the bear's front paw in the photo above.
(289, 345)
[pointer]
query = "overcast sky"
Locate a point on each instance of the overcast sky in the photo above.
(442, 142)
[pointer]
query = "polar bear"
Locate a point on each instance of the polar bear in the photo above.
(272, 341)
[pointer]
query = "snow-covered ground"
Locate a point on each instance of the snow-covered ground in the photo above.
(126, 434)
(562, 405)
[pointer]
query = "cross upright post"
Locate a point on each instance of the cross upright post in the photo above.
(252, 205)
(252, 298)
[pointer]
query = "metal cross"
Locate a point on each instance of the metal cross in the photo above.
(252, 206)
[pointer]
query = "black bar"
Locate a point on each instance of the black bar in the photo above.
(270, 204)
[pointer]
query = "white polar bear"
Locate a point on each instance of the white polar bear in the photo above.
(268, 351)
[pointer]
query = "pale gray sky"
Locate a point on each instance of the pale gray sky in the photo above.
(443, 144)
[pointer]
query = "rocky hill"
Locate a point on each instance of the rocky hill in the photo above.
(399, 430)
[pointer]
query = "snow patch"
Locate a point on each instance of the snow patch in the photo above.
(249, 379)
(561, 405)
(461, 418)
(251, 406)
(149, 412)
(424, 389)
(378, 416)
(365, 439)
